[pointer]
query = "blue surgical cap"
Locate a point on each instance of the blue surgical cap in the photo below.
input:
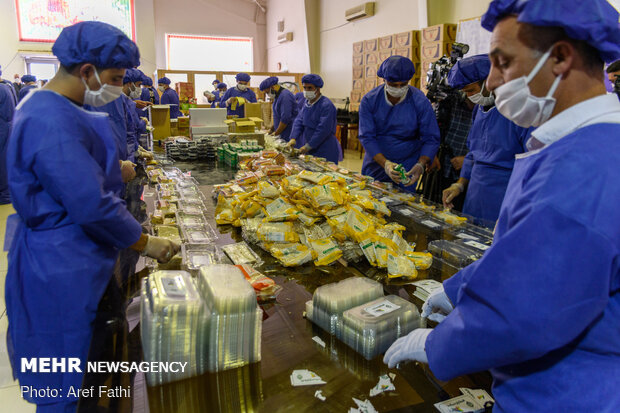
(313, 80)
(594, 21)
(221, 85)
(163, 81)
(242, 77)
(98, 43)
(396, 69)
(28, 78)
(215, 81)
(267, 83)
(138, 76)
(469, 70)
(129, 76)
(147, 81)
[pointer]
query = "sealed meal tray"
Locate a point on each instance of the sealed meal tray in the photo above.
(198, 233)
(183, 218)
(372, 327)
(456, 254)
(169, 232)
(190, 208)
(473, 232)
(481, 247)
(241, 253)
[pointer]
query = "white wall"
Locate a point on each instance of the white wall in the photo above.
(145, 35)
(293, 55)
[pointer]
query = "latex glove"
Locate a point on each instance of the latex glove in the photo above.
(437, 306)
(305, 149)
(128, 171)
(141, 104)
(410, 347)
(230, 101)
(291, 143)
(161, 249)
(144, 154)
(450, 193)
(390, 170)
(415, 173)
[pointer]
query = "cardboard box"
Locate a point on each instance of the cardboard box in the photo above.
(370, 72)
(384, 54)
(185, 90)
(358, 60)
(358, 48)
(439, 33)
(356, 96)
(425, 65)
(433, 51)
(406, 39)
(372, 59)
(253, 110)
(412, 53)
(371, 45)
(385, 42)
(358, 72)
(358, 84)
(369, 84)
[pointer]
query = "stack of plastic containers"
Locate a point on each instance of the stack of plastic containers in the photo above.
(234, 337)
(372, 327)
(449, 257)
(173, 323)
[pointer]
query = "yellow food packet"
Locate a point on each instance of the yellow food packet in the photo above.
(401, 245)
(317, 178)
(266, 190)
(277, 232)
(450, 218)
(305, 219)
(280, 210)
(326, 251)
(368, 248)
(291, 255)
(401, 266)
(421, 260)
(357, 226)
(382, 247)
(324, 196)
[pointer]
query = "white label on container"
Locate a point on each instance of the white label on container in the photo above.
(383, 307)
(477, 245)
(406, 212)
(387, 199)
(431, 224)
(466, 236)
(276, 237)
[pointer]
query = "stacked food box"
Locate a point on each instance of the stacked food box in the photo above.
(435, 42)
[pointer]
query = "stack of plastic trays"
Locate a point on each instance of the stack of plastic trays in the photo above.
(236, 320)
(459, 255)
(372, 327)
(173, 323)
(331, 300)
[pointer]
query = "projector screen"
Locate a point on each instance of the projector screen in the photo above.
(42, 20)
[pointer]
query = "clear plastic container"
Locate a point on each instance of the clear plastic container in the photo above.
(225, 289)
(459, 255)
(372, 327)
(198, 234)
(198, 255)
(183, 218)
(241, 253)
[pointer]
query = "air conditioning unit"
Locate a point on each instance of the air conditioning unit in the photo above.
(285, 37)
(359, 12)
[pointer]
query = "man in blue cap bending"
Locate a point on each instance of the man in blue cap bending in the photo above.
(284, 107)
(541, 308)
(71, 221)
(314, 130)
(397, 126)
(242, 90)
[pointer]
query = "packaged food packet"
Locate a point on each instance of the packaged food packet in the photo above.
(266, 190)
(291, 255)
(314, 177)
(265, 288)
(382, 247)
(422, 260)
(450, 218)
(326, 251)
(357, 226)
(400, 267)
(277, 232)
(401, 245)
(368, 248)
(280, 210)
(324, 196)
(305, 219)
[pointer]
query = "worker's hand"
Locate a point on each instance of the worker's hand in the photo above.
(230, 101)
(305, 149)
(437, 306)
(415, 173)
(457, 162)
(390, 170)
(410, 347)
(128, 171)
(291, 143)
(144, 154)
(435, 166)
(450, 193)
(161, 249)
(141, 104)
(145, 119)
(271, 130)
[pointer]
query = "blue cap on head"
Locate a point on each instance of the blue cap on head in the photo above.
(98, 43)
(215, 82)
(129, 76)
(147, 81)
(469, 70)
(138, 76)
(221, 85)
(242, 77)
(396, 69)
(267, 83)
(313, 80)
(163, 81)
(594, 21)
(28, 78)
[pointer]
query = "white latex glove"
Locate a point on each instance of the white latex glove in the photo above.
(415, 173)
(450, 193)
(390, 170)
(291, 143)
(128, 171)
(144, 154)
(305, 149)
(437, 306)
(161, 249)
(410, 347)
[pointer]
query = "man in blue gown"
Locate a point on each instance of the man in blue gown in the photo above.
(493, 142)
(70, 221)
(29, 83)
(7, 109)
(170, 97)
(149, 94)
(242, 90)
(284, 107)
(397, 126)
(541, 308)
(314, 129)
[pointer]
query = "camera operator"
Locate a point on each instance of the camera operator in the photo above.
(493, 142)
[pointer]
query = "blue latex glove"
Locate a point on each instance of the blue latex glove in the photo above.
(437, 306)
(410, 347)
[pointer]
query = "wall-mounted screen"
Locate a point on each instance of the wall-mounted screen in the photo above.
(42, 20)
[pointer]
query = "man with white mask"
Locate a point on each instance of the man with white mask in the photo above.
(541, 308)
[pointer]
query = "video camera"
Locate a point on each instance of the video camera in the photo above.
(437, 75)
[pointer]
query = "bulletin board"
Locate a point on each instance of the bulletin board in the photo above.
(470, 32)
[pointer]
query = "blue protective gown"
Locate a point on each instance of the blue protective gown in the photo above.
(316, 127)
(285, 111)
(12, 90)
(69, 228)
(217, 98)
(24, 91)
(493, 142)
(7, 109)
(170, 97)
(247, 94)
(301, 100)
(541, 309)
(117, 114)
(133, 127)
(402, 133)
(149, 94)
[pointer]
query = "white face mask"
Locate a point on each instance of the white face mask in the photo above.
(515, 101)
(309, 95)
(242, 87)
(103, 96)
(272, 93)
(397, 92)
(479, 99)
(135, 92)
(160, 88)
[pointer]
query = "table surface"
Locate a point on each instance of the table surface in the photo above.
(287, 345)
